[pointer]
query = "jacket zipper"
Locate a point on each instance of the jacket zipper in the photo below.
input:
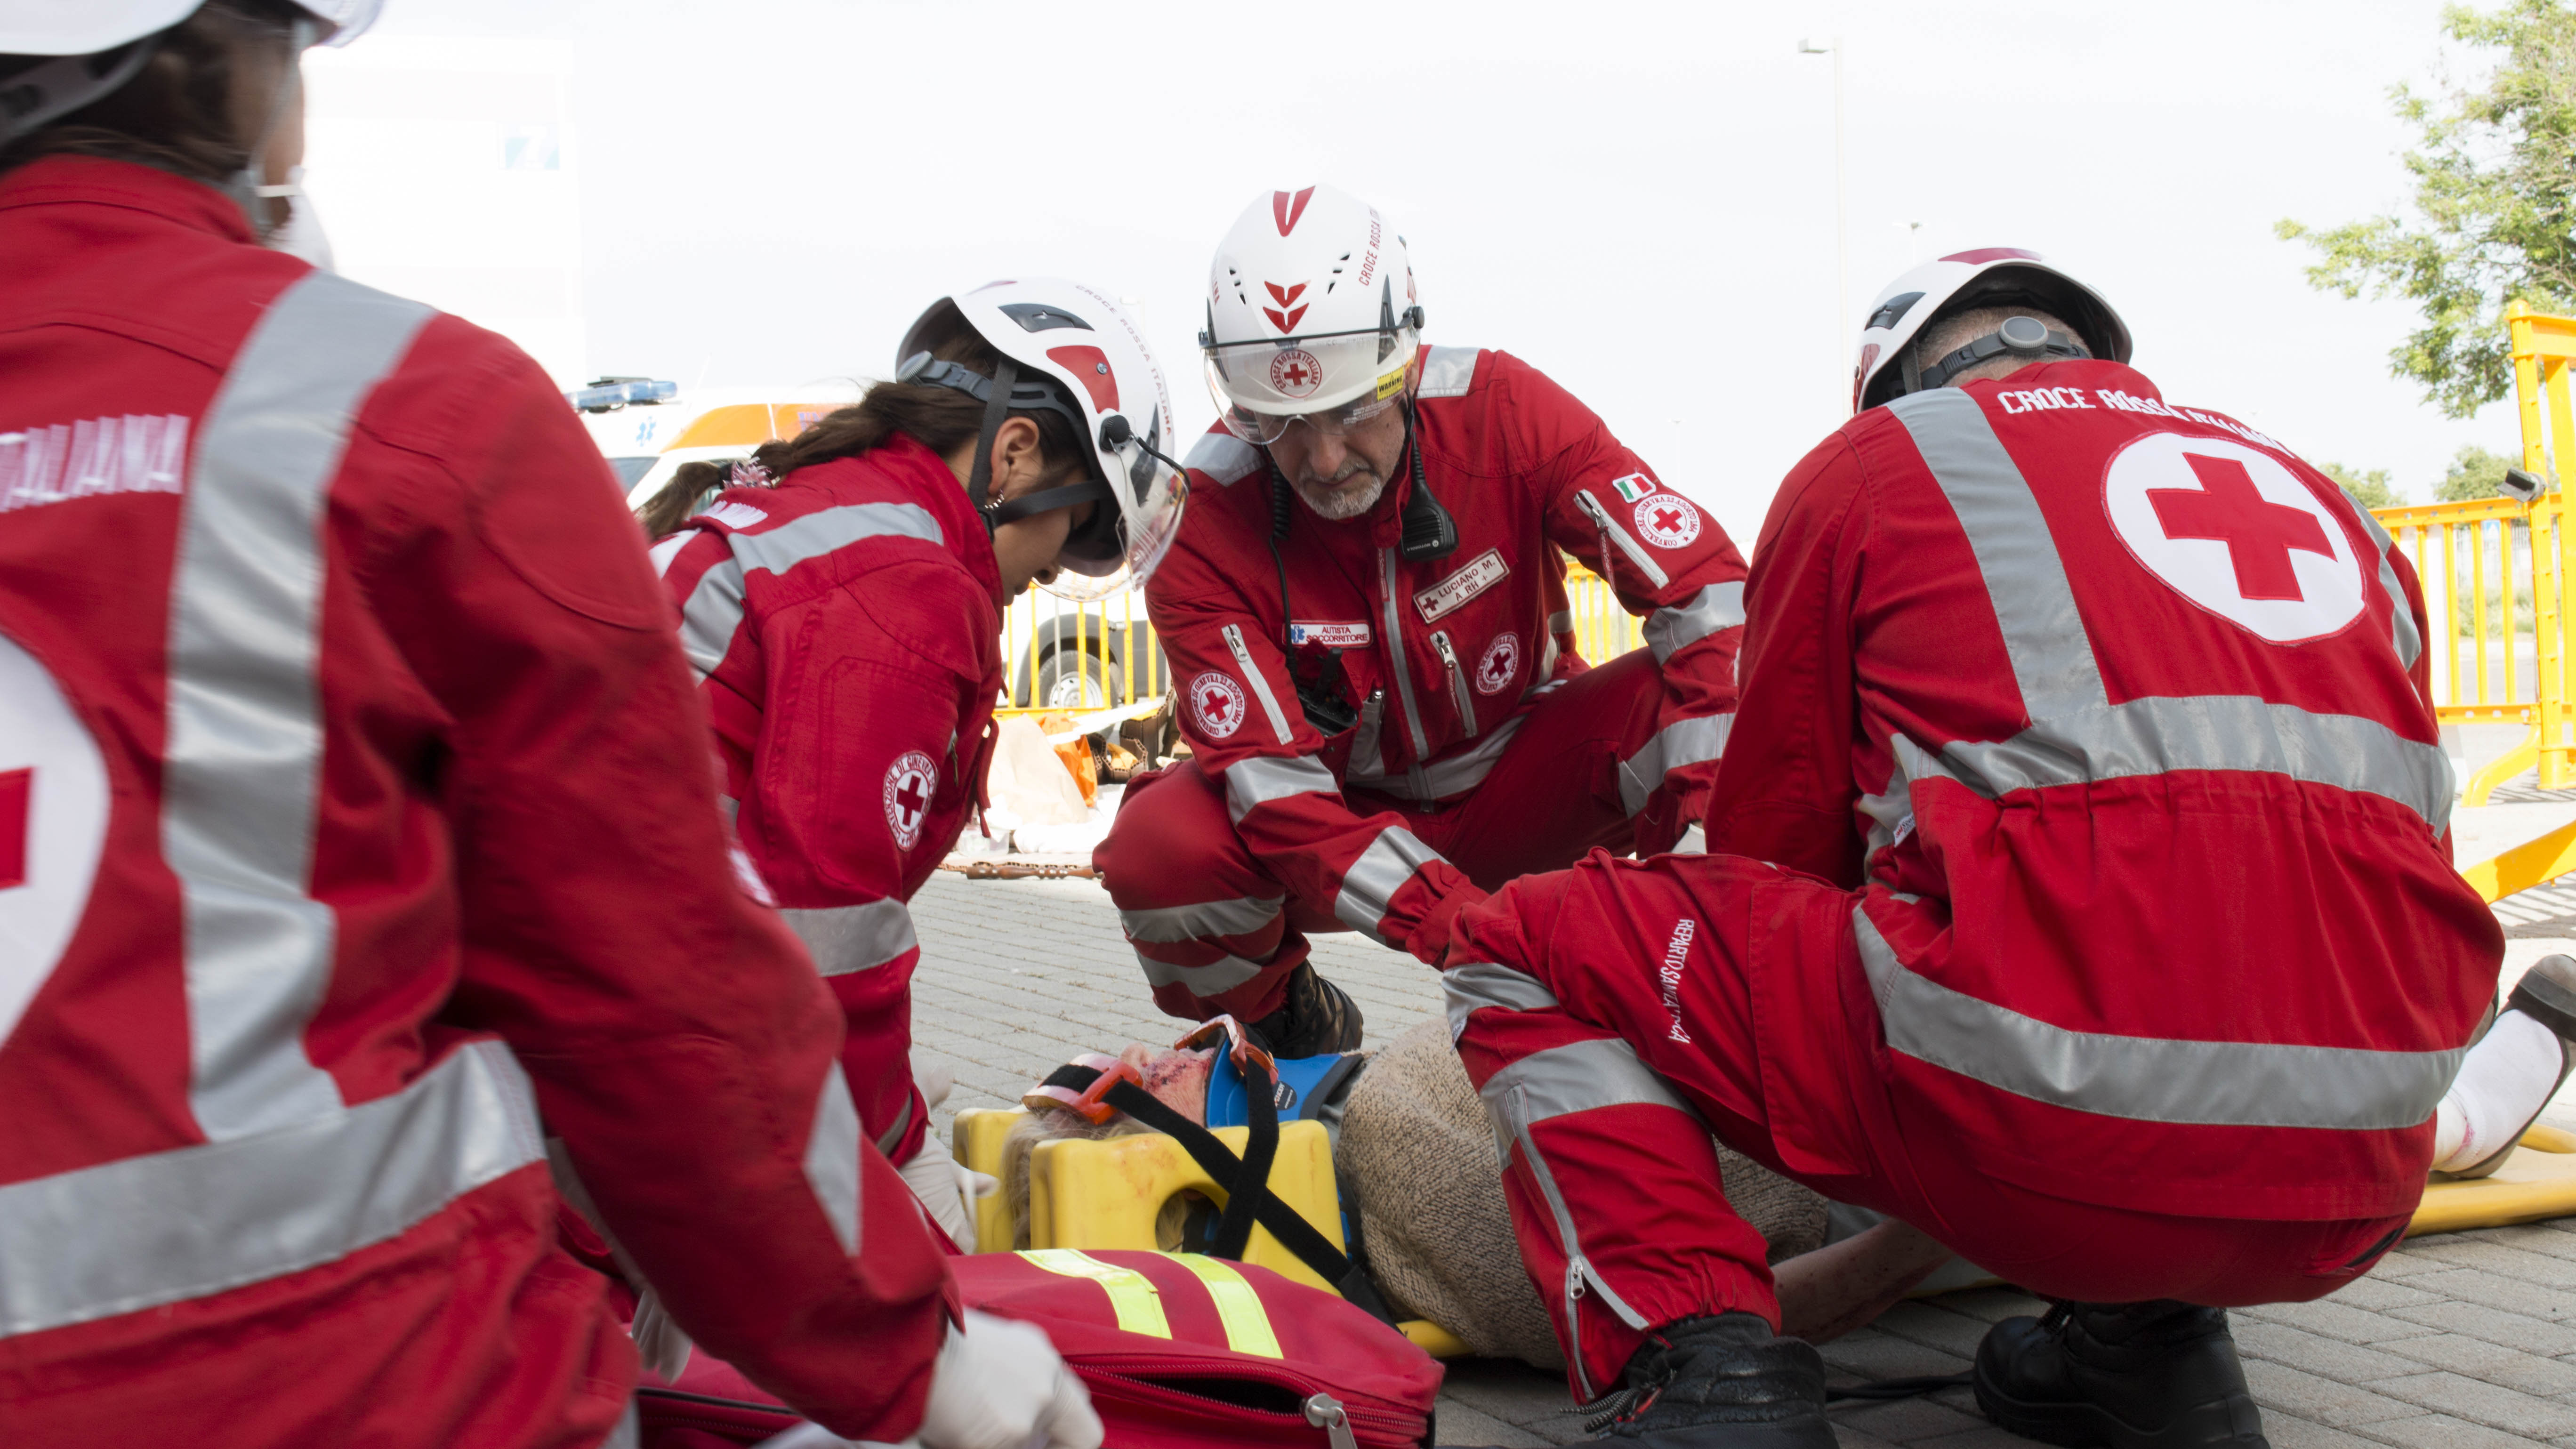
(1457, 680)
(1404, 677)
(1612, 532)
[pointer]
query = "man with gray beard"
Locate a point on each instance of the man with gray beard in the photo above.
(1372, 654)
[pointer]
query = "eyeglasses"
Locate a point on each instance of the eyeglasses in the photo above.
(1263, 429)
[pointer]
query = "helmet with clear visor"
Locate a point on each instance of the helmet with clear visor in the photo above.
(1071, 350)
(1304, 322)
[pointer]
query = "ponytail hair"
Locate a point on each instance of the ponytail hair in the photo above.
(941, 419)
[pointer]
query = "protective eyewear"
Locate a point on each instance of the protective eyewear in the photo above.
(1263, 429)
(1260, 387)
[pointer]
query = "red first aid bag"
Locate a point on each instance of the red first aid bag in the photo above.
(1179, 1351)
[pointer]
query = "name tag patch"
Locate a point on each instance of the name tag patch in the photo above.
(1481, 573)
(1330, 633)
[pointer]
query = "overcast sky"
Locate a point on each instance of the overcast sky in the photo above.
(1639, 199)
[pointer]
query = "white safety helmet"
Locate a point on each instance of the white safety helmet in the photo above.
(100, 44)
(1071, 350)
(1303, 315)
(1986, 277)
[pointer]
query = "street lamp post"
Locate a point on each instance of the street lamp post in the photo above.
(1842, 229)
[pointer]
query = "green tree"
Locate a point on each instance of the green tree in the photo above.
(2474, 473)
(2495, 193)
(2370, 490)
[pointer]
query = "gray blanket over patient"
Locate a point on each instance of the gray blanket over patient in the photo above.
(1417, 1151)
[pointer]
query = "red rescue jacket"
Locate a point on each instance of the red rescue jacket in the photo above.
(357, 847)
(1437, 660)
(846, 629)
(2139, 695)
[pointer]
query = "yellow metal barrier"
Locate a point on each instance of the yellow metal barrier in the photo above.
(2490, 535)
(1103, 654)
(2479, 622)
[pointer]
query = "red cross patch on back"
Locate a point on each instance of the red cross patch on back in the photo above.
(2233, 530)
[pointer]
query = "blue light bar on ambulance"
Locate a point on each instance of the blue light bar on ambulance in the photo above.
(618, 392)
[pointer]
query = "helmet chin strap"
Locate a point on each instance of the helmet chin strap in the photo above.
(979, 478)
(2024, 337)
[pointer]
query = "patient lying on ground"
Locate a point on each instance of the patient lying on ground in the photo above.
(1422, 1191)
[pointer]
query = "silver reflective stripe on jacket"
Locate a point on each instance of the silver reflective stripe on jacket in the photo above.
(1441, 779)
(2149, 1079)
(1447, 372)
(1222, 456)
(832, 1157)
(2076, 734)
(241, 769)
(1682, 743)
(1260, 682)
(1671, 630)
(714, 610)
(843, 939)
(1260, 779)
(1201, 920)
(2402, 634)
(1403, 672)
(1480, 984)
(1222, 974)
(171, 1226)
(2156, 734)
(1373, 879)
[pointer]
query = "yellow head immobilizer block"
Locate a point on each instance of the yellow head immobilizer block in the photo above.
(1107, 1193)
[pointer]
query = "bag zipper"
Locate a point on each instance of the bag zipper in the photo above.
(1403, 676)
(1144, 1373)
(1612, 532)
(1457, 680)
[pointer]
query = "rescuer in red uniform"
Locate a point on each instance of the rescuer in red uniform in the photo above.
(358, 854)
(2083, 900)
(843, 613)
(1369, 637)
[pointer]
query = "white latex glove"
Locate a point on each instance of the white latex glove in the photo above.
(947, 1190)
(1000, 1385)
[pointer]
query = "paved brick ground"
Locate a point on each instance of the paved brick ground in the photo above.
(2466, 1341)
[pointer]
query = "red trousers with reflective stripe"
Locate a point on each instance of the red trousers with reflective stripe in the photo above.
(1553, 795)
(1607, 1064)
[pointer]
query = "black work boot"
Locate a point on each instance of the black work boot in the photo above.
(2159, 1375)
(1724, 1382)
(1316, 1020)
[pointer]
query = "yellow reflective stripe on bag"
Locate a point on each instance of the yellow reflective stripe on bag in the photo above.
(1132, 1295)
(1247, 1323)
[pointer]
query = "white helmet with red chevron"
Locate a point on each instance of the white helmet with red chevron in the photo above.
(1303, 308)
(1986, 277)
(1072, 350)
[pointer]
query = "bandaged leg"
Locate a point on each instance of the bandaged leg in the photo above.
(2506, 1080)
